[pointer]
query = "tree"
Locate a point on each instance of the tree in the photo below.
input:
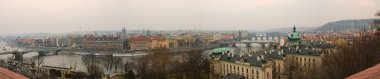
(363, 53)
(92, 68)
(162, 64)
(128, 72)
(340, 42)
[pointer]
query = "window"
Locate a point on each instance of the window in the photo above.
(304, 59)
(257, 74)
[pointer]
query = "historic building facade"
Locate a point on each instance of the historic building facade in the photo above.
(145, 43)
(102, 43)
(278, 63)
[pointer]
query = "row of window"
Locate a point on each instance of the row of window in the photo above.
(305, 59)
(229, 68)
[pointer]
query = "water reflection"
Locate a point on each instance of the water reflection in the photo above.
(76, 61)
(67, 61)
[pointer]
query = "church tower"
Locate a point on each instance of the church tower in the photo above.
(293, 37)
(123, 32)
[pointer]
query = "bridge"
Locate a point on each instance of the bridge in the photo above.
(247, 43)
(41, 51)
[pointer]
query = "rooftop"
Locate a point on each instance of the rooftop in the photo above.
(370, 73)
(7, 74)
(218, 50)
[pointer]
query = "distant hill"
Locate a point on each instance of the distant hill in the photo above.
(343, 25)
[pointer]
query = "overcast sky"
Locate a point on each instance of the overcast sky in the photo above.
(56, 16)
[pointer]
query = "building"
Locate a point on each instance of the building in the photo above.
(181, 41)
(145, 43)
(102, 43)
(293, 37)
(224, 62)
(139, 43)
(279, 63)
(269, 64)
(159, 43)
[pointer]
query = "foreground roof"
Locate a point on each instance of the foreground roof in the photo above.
(7, 74)
(370, 73)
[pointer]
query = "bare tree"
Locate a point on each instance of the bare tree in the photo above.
(362, 54)
(162, 65)
(92, 68)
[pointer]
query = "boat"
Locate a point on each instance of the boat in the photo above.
(121, 55)
(102, 53)
(81, 53)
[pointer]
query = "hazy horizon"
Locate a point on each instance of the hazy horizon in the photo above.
(60, 16)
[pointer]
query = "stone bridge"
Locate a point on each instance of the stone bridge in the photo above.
(41, 51)
(247, 43)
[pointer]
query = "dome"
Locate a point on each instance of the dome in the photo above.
(220, 50)
(217, 52)
(294, 36)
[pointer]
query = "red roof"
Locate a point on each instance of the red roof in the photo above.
(370, 73)
(7, 74)
(158, 39)
(138, 38)
(143, 38)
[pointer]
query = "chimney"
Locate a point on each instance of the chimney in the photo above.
(258, 58)
(282, 50)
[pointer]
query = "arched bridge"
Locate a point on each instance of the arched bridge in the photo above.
(246, 42)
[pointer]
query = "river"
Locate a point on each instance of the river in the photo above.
(76, 61)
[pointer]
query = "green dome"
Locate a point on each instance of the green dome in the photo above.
(219, 50)
(294, 36)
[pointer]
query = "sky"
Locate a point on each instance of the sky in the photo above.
(59, 16)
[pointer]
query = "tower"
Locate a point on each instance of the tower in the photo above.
(123, 32)
(293, 37)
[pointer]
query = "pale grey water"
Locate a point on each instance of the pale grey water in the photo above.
(67, 61)
(75, 61)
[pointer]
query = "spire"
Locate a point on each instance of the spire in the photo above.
(294, 28)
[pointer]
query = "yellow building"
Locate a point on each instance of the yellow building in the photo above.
(159, 43)
(271, 64)
(224, 62)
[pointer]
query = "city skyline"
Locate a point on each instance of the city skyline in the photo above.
(75, 15)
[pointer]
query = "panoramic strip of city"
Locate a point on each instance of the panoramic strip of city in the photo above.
(189, 39)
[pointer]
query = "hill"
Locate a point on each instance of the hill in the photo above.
(345, 25)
